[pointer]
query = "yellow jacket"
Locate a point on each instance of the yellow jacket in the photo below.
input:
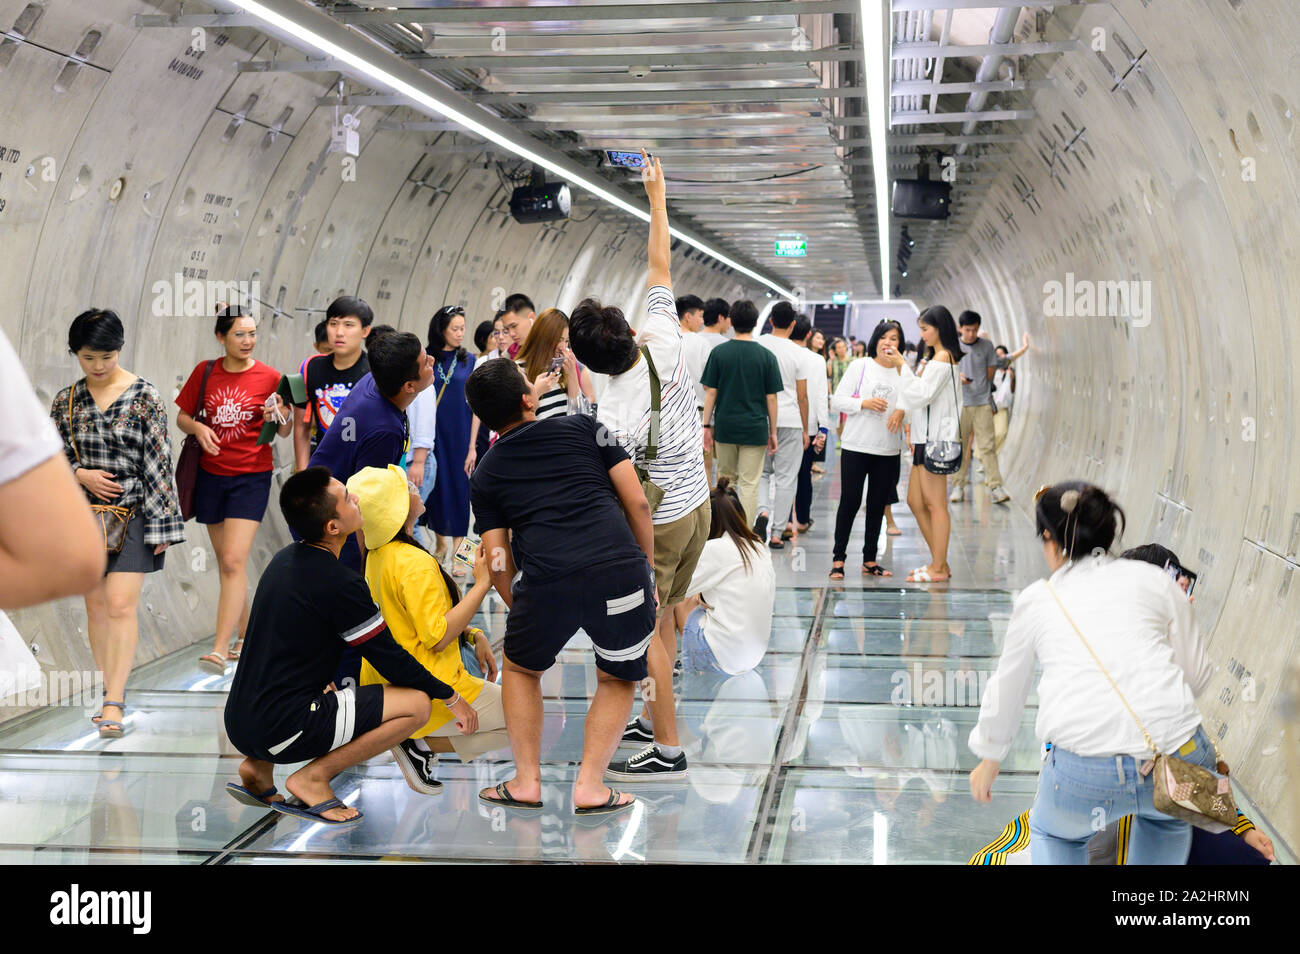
(413, 598)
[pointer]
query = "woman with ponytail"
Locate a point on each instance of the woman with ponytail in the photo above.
(1141, 628)
(726, 620)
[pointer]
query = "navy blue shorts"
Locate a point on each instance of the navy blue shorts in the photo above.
(219, 497)
(328, 721)
(614, 606)
(918, 455)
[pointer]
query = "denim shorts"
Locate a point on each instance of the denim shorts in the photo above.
(1078, 797)
(697, 655)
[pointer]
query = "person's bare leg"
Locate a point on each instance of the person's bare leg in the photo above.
(405, 710)
(256, 776)
(521, 697)
(119, 630)
(916, 501)
(97, 629)
(232, 540)
(889, 521)
(610, 707)
(658, 691)
(939, 523)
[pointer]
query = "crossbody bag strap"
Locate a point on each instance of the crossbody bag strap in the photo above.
(652, 444)
(72, 435)
(1145, 735)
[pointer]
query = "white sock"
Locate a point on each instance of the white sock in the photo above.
(645, 723)
(420, 743)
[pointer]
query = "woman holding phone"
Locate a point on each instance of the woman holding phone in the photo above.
(546, 352)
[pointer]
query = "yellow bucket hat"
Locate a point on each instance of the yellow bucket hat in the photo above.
(385, 502)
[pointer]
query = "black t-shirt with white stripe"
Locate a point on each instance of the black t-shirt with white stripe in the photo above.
(308, 607)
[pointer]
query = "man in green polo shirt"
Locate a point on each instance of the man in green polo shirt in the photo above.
(741, 381)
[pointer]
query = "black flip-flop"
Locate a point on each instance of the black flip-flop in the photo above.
(507, 800)
(837, 572)
(609, 807)
(314, 813)
(876, 570)
(775, 545)
(250, 798)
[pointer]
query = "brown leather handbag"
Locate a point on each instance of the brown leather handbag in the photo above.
(113, 521)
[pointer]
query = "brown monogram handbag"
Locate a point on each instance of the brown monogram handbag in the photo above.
(112, 520)
(1183, 790)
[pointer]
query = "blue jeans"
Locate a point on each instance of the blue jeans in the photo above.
(1077, 797)
(697, 656)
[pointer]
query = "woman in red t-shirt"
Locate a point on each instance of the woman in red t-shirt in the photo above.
(234, 482)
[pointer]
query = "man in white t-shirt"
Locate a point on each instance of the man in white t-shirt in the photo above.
(50, 543)
(672, 460)
(819, 423)
(781, 469)
(709, 330)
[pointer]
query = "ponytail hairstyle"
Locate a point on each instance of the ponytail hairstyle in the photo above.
(940, 319)
(1080, 517)
(600, 338)
(729, 517)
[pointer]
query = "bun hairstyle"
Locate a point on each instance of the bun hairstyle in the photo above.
(600, 337)
(729, 517)
(1080, 517)
(226, 319)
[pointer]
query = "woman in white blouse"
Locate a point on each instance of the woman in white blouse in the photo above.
(933, 406)
(1140, 625)
(870, 443)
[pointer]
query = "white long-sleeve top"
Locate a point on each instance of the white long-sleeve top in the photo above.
(819, 414)
(938, 389)
(738, 618)
(866, 431)
(1139, 623)
(423, 417)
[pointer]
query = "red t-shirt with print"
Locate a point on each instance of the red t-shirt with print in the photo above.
(233, 402)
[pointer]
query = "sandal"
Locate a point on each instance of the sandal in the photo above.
(787, 534)
(314, 812)
(919, 575)
(110, 728)
(234, 652)
(876, 570)
(608, 807)
(505, 798)
(837, 570)
(775, 545)
(894, 532)
(250, 798)
(211, 662)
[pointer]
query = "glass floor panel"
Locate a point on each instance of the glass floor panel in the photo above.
(889, 816)
(886, 736)
(912, 637)
(918, 603)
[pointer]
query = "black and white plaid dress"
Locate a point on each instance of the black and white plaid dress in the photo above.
(129, 441)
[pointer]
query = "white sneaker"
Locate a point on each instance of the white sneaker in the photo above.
(957, 495)
(998, 495)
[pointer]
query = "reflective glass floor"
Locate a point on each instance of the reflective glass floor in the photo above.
(846, 744)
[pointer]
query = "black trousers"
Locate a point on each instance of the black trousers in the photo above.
(880, 474)
(803, 488)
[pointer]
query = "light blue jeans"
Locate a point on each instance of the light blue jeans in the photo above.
(697, 655)
(1078, 796)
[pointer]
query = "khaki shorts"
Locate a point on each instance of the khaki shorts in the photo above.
(491, 734)
(677, 550)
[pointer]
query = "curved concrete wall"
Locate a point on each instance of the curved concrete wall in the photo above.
(1187, 417)
(1188, 182)
(218, 189)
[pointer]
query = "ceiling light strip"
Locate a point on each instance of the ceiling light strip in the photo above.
(381, 76)
(875, 40)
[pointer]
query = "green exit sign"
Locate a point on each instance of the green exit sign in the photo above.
(839, 298)
(789, 248)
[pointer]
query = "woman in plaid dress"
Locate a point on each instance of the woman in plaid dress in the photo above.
(114, 430)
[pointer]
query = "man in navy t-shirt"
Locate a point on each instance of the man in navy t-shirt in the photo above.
(584, 543)
(371, 430)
